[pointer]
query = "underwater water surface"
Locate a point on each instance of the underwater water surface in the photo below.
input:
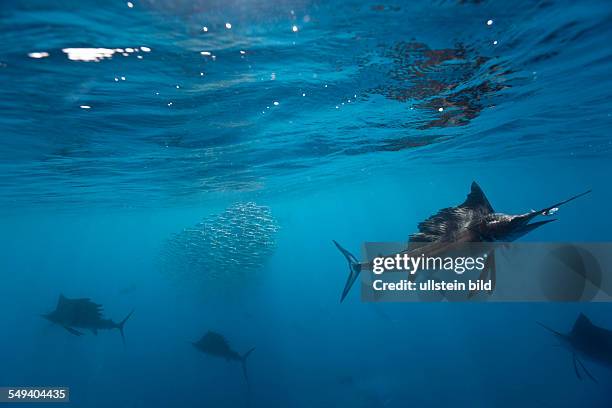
(193, 161)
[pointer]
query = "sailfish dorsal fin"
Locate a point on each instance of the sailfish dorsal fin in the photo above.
(448, 221)
(61, 300)
(582, 322)
(477, 200)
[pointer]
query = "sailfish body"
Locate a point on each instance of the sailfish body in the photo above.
(474, 220)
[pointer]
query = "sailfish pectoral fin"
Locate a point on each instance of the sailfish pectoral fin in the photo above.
(489, 271)
(576, 359)
(579, 365)
(576, 367)
(73, 331)
(530, 227)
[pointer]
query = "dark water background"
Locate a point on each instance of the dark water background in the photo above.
(386, 112)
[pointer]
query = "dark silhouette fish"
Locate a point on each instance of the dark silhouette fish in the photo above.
(215, 344)
(83, 314)
(586, 341)
(472, 221)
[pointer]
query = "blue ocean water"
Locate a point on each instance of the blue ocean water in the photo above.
(123, 123)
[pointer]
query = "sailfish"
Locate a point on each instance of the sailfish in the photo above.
(216, 344)
(588, 341)
(82, 313)
(474, 220)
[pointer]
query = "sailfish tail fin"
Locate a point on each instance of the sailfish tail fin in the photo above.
(243, 359)
(121, 324)
(354, 269)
